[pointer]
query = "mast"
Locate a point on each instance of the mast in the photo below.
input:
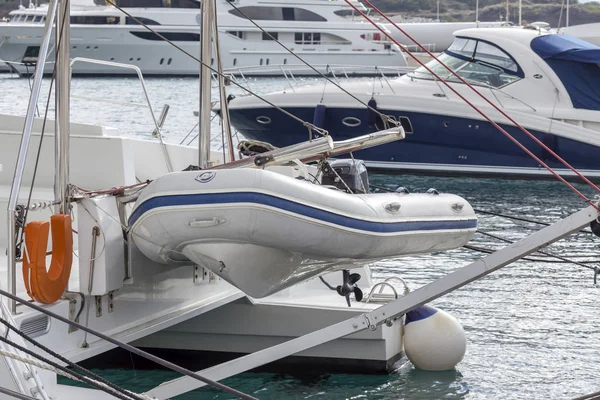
(520, 12)
(567, 19)
(63, 86)
(222, 95)
(205, 76)
(477, 11)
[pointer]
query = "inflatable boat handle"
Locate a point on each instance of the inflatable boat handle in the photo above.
(207, 223)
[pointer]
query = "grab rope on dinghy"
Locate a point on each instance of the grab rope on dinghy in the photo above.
(547, 254)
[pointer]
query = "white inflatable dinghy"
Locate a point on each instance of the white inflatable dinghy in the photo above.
(263, 231)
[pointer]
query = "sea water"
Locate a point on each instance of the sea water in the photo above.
(531, 327)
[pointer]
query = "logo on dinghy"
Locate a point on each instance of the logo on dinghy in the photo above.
(206, 177)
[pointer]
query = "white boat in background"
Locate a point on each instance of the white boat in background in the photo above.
(588, 32)
(315, 30)
(548, 82)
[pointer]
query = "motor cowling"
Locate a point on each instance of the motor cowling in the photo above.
(347, 174)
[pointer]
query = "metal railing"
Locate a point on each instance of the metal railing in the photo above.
(157, 125)
(413, 48)
(330, 71)
(302, 69)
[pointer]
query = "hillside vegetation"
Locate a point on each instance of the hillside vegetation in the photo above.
(495, 10)
(462, 10)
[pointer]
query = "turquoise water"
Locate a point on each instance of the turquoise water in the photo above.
(532, 327)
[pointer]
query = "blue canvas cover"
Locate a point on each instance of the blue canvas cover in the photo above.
(575, 61)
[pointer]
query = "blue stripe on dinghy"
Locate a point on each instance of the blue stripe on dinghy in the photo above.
(301, 209)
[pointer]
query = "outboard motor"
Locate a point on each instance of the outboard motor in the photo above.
(353, 174)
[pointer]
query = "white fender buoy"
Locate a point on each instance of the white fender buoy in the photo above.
(433, 339)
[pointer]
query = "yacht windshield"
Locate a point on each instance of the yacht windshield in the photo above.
(475, 61)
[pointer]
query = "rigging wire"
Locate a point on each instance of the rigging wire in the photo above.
(39, 150)
(591, 396)
(65, 370)
(16, 395)
(128, 347)
(545, 253)
(79, 368)
(335, 83)
(488, 251)
(522, 219)
(307, 124)
(496, 125)
(37, 109)
(495, 214)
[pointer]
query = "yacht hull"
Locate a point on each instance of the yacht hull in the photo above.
(434, 144)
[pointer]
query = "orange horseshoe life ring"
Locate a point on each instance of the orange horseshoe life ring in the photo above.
(47, 286)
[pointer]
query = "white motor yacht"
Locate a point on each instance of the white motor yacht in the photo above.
(315, 30)
(547, 82)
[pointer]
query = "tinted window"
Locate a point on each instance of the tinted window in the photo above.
(475, 61)
(173, 36)
(307, 38)
(288, 14)
(276, 14)
(155, 3)
(462, 46)
(92, 20)
(306, 15)
(269, 36)
(493, 55)
(146, 21)
(237, 34)
(486, 53)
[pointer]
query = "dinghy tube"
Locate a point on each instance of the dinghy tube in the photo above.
(262, 231)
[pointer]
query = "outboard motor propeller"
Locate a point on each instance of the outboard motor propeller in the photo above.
(349, 286)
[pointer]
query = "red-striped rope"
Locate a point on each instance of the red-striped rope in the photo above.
(477, 109)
